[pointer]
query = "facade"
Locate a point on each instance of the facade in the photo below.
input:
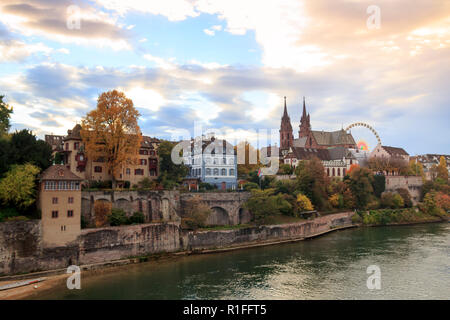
(60, 205)
(55, 141)
(76, 160)
(308, 138)
(212, 161)
(336, 161)
(390, 153)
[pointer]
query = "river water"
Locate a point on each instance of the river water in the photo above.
(414, 263)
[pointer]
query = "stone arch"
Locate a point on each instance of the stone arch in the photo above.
(218, 216)
(123, 204)
(244, 216)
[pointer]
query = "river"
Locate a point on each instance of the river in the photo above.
(414, 263)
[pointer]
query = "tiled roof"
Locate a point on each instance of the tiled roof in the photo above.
(309, 153)
(393, 151)
(74, 134)
(147, 142)
(58, 172)
(333, 138)
(300, 142)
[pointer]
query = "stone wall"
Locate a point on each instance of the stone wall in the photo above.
(411, 183)
(21, 249)
(225, 238)
(227, 207)
(155, 205)
(112, 243)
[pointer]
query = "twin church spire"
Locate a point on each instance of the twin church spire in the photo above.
(286, 132)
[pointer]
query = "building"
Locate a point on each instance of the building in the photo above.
(308, 138)
(60, 205)
(336, 161)
(430, 160)
(390, 153)
(76, 160)
(55, 141)
(213, 161)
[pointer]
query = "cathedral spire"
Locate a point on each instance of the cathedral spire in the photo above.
(304, 108)
(285, 114)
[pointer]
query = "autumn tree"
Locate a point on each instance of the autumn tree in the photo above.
(111, 132)
(442, 171)
(416, 169)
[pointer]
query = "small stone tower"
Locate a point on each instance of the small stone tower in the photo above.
(286, 133)
(305, 124)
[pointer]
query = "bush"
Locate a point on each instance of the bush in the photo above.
(196, 212)
(304, 204)
(6, 213)
(136, 218)
(117, 217)
(406, 197)
(107, 184)
(391, 200)
(250, 186)
(206, 186)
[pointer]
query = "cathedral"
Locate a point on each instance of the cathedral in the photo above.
(308, 138)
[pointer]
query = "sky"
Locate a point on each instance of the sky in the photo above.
(228, 64)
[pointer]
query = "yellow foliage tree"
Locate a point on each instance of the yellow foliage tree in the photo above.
(102, 210)
(18, 187)
(111, 132)
(304, 204)
(442, 171)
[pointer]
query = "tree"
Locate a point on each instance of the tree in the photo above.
(360, 181)
(416, 169)
(5, 115)
(171, 174)
(111, 132)
(312, 182)
(263, 204)
(196, 212)
(23, 147)
(102, 210)
(18, 187)
(379, 184)
(404, 193)
(442, 171)
(304, 204)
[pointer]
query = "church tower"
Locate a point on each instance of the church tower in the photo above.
(305, 124)
(286, 132)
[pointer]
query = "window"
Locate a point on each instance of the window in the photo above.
(98, 169)
(128, 171)
(70, 199)
(70, 213)
(216, 171)
(152, 172)
(76, 145)
(215, 161)
(143, 162)
(328, 171)
(54, 200)
(339, 172)
(54, 214)
(152, 152)
(63, 228)
(231, 172)
(145, 152)
(224, 172)
(200, 172)
(334, 172)
(138, 172)
(208, 171)
(224, 160)
(231, 161)
(67, 146)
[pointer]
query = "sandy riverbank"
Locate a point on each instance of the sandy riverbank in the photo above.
(32, 290)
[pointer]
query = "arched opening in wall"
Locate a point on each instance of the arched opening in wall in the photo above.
(218, 217)
(244, 216)
(149, 210)
(165, 209)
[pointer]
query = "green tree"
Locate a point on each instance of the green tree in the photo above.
(360, 181)
(5, 115)
(379, 184)
(24, 147)
(171, 174)
(264, 203)
(313, 182)
(18, 187)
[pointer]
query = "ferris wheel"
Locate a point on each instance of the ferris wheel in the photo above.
(365, 125)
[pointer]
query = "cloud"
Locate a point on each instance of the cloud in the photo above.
(51, 19)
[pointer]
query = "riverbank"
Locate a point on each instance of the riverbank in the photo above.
(200, 242)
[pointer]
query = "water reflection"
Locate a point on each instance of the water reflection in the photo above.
(414, 261)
